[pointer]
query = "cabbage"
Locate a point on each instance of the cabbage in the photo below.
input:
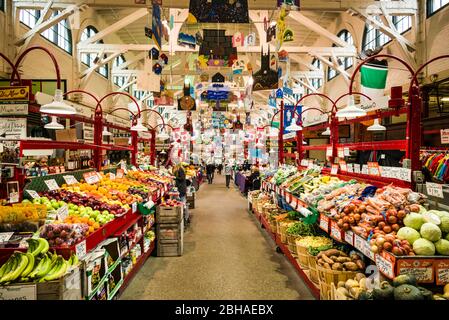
(422, 209)
(409, 234)
(447, 237)
(444, 217)
(414, 220)
(442, 247)
(430, 232)
(424, 247)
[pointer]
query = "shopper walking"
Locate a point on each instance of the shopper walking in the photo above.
(210, 168)
(228, 172)
(219, 168)
(181, 185)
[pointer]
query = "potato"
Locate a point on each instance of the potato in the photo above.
(351, 266)
(351, 283)
(327, 259)
(341, 284)
(343, 259)
(327, 265)
(337, 266)
(334, 258)
(320, 261)
(359, 276)
(331, 252)
(360, 264)
(343, 291)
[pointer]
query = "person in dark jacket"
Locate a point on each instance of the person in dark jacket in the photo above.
(253, 178)
(210, 169)
(181, 185)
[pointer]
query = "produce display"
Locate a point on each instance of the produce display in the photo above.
(36, 265)
(338, 260)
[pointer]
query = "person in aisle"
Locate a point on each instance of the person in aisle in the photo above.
(219, 168)
(228, 171)
(181, 185)
(254, 178)
(210, 168)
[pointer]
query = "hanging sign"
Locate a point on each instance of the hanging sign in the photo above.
(340, 153)
(343, 165)
(444, 136)
(33, 194)
(14, 100)
(329, 152)
(250, 40)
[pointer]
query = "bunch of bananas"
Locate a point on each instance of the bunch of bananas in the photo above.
(37, 264)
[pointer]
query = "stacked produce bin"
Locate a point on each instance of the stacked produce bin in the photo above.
(170, 230)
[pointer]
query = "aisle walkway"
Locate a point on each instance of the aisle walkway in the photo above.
(226, 256)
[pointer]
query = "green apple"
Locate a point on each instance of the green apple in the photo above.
(35, 201)
(55, 205)
(89, 209)
(49, 207)
(71, 212)
(105, 212)
(61, 203)
(44, 199)
(97, 212)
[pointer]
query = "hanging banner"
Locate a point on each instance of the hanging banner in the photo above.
(157, 25)
(14, 101)
(13, 128)
(289, 115)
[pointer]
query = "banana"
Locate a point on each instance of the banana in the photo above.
(75, 260)
(40, 246)
(59, 272)
(16, 272)
(30, 265)
(37, 267)
(32, 244)
(45, 268)
(11, 265)
(45, 245)
(55, 269)
(6, 266)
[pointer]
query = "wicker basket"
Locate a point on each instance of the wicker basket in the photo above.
(328, 277)
(303, 256)
(311, 262)
(291, 240)
(283, 230)
(273, 225)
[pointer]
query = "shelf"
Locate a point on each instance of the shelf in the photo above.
(132, 246)
(50, 144)
(116, 289)
(320, 147)
(134, 217)
(378, 145)
(381, 114)
(116, 263)
(111, 147)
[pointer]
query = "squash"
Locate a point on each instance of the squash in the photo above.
(343, 291)
(427, 294)
(404, 279)
(341, 284)
(351, 283)
(365, 295)
(407, 292)
(384, 292)
(359, 276)
(355, 292)
(362, 283)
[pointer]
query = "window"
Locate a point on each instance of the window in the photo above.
(373, 38)
(435, 5)
(347, 37)
(2, 5)
(119, 80)
(59, 34)
(402, 23)
(89, 58)
(317, 82)
(138, 94)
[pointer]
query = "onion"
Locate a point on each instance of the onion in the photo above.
(380, 241)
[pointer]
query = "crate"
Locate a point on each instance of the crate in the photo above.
(68, 135)
(169, 214)
(169, 248)
(66, 288)
(273, 225)
(22, 291)
(335, 295)
(170, 231)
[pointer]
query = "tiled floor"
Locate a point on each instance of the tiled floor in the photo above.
(226, 256)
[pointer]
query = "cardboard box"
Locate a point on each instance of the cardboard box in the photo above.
(68, 135)
(121, 142)
(94, 271)
(66, 288)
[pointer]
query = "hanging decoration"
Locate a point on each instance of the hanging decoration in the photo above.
(186, 102)
(218, 11)
(289, 4)
(238, 66)
(283, 56)
(266, 78)
(217, 48)
(156, 28)
(238, 39)
(284, 34)
(186, 40)
(250, 40)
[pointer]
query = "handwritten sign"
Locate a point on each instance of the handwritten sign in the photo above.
(329, 152)
(343, 165)
(63, 212)
(120, 173)
(304, 162)
(385, 266)
(422, 269)
(324, 222)
(336, 232)
(13, 197)
(150, 204)
(441, 272)
(5, 236)
(364, 169)
(33, 194)
(444, 136)
(81, 250)
(70, 180)
(18, 292)
(356, 168)
(434, 190)
(52, 184)
(341, 153)
(346, 152)
(349, 237)
(111, 176)
(334, 169)
(350, 167)
(373, 169)
(91, 177)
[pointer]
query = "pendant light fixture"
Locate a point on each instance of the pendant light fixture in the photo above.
(139, 126)
(274, 132)
(106, 132)
(58, 106)
(163, 135)
(376, 126)
(351, 110)
(327, 132)
(260, 145)
(293, 126)
(54, 124)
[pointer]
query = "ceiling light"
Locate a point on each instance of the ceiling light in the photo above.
(139, 126)
(445, 99)
(260, 145)
(376, 126)
(351, 110)
(293, 126)
(106, 132)
(251, 81)
(327, 132)
(54, 124)
(163, 152)
(58, 106)
(163, 135)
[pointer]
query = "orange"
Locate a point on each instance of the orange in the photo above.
(96, 225)
(91, 229)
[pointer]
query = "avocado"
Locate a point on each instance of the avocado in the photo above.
(407, 292)
(404, 279)
(427, 294)
(384, 292)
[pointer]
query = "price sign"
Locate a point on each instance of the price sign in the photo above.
(373, 169)
(385, 266)
(324, 222)
(422, 269)
(434, 190)
(329, 152)
(70, 180)
(364, 169)
(336, 232)
(346, 152)
(356, 168)
(63, 212)
(91, 177)
(120, 173)
(343, 165)
(349, 237)
(150, 204)
(33, 194)
(441, 272)
(350, 167)
(19, 292)
(334, 169)
(81, 250)
(310, 165)
(99, 176)
(304, 162)
(13, 197)
(444, 136)
(133, 168)
(405, 174)
(52, 184)
(358, 242)
(134, 207)
(340, 153)
(111, 176)
(5, 236)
